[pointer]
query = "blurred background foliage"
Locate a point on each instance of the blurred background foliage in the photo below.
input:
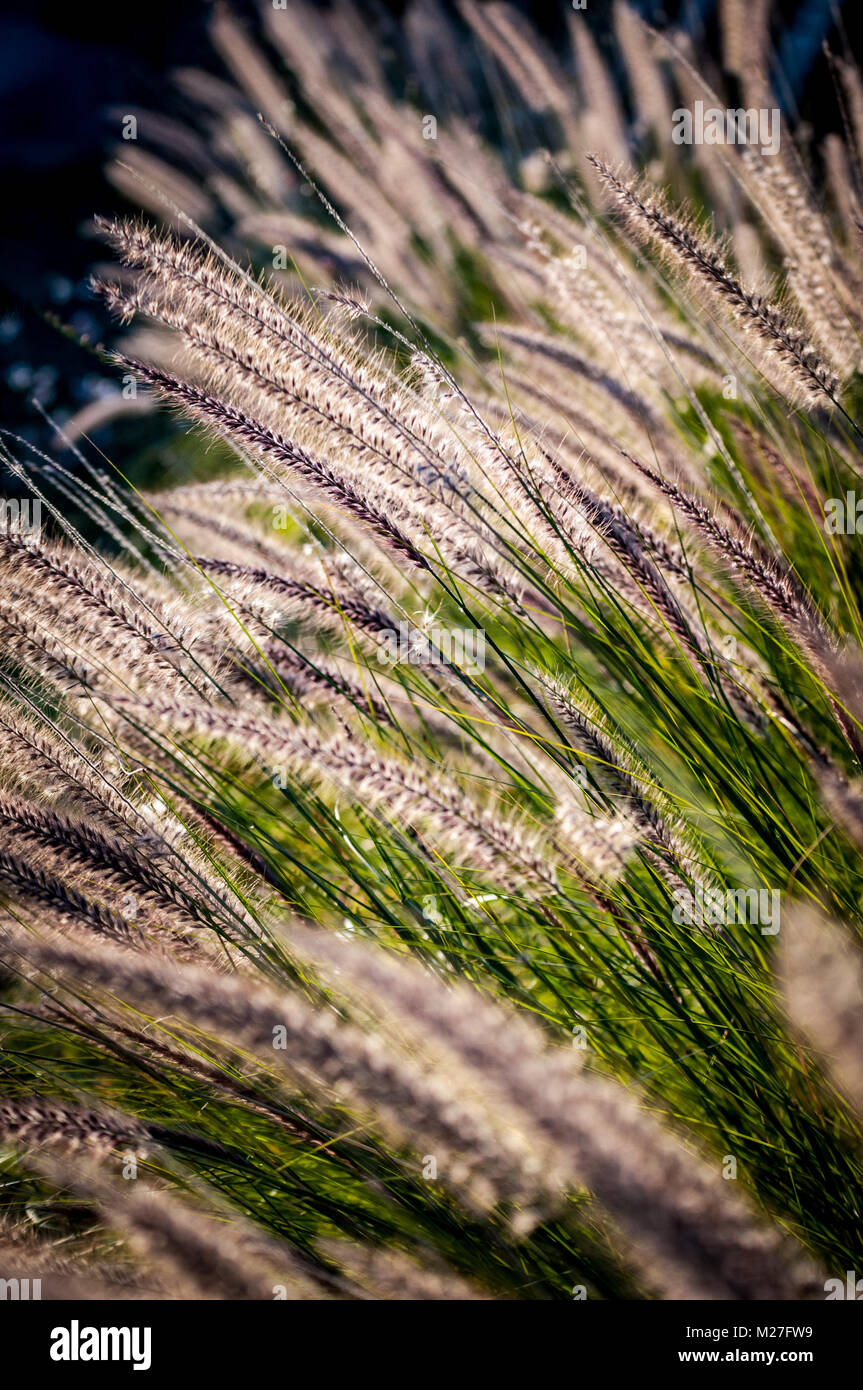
(69, 73)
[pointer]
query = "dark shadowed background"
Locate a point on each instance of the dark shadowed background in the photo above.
(66, 71)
